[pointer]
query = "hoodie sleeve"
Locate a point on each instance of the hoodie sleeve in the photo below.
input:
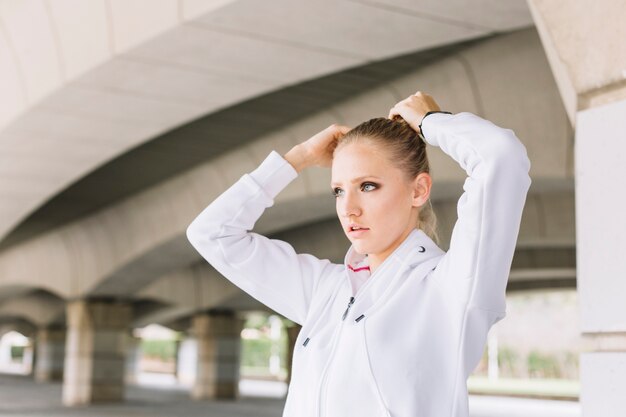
(477, 265)
(267, 269)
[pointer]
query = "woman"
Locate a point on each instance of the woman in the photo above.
(399, 326)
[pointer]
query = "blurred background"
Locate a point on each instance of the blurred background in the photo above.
(120, 120)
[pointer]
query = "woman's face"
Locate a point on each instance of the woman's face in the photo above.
(373, 193)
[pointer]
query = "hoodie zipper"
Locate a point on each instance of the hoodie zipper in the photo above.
(350, 302)
(337, 334)
(345, 313)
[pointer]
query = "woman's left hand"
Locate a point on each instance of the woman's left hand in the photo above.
(413, 109)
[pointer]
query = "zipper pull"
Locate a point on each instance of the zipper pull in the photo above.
(345, 313)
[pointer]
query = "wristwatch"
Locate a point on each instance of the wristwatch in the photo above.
(421, 134)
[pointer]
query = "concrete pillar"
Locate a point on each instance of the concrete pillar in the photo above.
(601, 238)
(292, 334)
(95, 351)
(33, 356)
(133, 358)
(218, 335)
(50, 354)
(28, 358)
(589, 71)
(587, 64)
(5, 352)
(177, 344)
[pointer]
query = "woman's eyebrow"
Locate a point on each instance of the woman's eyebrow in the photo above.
(355, 179)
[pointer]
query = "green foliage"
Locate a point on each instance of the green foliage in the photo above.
(256, 353)
(536, 364)
(508, 361)
(17, 352)
(560, 365)
(543, 365)
(256, 321)
(164, 350)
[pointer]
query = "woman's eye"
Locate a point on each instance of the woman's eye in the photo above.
(338, 191)
(369, 184)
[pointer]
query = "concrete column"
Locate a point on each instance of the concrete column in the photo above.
(589, 71)
(95, 351)
(50, 354)
(133, 358)
(218, 335)
(177, 344)
(33, 356)
(5, 352)
(292, 334)
(601, 239)
(28, 358)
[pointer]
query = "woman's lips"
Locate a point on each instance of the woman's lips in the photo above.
(358, 232)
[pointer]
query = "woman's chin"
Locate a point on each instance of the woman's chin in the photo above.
(360, 246)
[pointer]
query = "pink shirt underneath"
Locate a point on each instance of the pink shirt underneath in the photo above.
(359, 274)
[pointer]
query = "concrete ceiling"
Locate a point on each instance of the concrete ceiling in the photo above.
(212, 135)
(128, 244)
(85, 83)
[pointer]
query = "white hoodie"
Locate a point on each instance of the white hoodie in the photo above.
(406, 343)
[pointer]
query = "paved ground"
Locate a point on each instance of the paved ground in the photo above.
(21, 397)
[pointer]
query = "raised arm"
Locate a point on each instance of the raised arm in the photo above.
(268, 269)
(477, 264)
(476, 267)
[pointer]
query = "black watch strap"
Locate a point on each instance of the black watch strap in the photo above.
(430, 112)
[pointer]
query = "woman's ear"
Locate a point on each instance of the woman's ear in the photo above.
(421, 189)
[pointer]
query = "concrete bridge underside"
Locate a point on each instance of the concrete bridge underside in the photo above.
(109, 157)
(130, 259)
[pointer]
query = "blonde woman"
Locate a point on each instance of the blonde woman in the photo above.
(397, 328)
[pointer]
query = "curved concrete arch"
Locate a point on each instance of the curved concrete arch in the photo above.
(13, 291)
(52, 36)
(197, 286)
(54, 255)
(90, 251)
(184, 292)
(172, 256)
(18, 324)
(40, 308)
(134, 75)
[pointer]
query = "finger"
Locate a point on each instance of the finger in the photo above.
(339, 131)
(399, 108)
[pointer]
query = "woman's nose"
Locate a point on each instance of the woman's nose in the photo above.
(349, 207)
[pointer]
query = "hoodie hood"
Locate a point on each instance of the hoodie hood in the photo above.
(415, 248)
(418, 249)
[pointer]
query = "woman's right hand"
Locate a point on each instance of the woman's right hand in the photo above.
(413, 109)
(318, 149)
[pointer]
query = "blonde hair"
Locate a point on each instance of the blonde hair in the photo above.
(407, 151)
